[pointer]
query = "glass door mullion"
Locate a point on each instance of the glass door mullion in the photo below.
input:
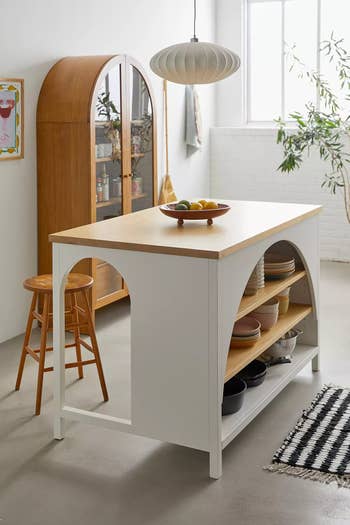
(126, 137)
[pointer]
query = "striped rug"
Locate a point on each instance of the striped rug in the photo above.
(318, 448)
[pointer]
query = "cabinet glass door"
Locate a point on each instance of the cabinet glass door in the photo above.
(108, 147)
(141, 136)
(108, 157)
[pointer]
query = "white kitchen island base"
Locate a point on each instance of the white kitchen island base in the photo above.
(186, 286)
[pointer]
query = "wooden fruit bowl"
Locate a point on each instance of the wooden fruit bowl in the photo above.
(194, 215)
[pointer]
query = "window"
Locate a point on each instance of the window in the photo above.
(274, 27)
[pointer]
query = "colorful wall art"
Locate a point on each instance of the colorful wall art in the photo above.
(11, 119)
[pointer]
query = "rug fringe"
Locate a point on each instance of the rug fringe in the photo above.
(312, 475)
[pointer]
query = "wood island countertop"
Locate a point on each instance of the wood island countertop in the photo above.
(151, 231)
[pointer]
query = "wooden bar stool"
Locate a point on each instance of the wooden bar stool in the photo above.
(76, 317)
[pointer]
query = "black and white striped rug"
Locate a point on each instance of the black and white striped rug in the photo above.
(318, 448)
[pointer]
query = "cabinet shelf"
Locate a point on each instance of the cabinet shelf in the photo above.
(271, 288)
(238, 358)
(110, 159)
(117, 200)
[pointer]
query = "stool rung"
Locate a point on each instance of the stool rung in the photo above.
(80, 310)
(76, 364)
(66, 312)
(86, 345)
(37, 316)
(72, 365)
(31, 352)
(50, 348)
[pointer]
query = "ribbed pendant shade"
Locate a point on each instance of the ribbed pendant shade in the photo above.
(195, 63)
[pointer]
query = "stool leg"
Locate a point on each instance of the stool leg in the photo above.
(26, 341)
(44, 328)
(94, 344)
(77, 335)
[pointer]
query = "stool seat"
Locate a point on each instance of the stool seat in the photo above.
(43, 283)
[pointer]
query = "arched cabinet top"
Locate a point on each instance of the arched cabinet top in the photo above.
(68, 91)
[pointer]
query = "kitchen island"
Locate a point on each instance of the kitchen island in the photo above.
(186, 287)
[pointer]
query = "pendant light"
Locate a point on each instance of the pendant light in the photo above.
(194, 62)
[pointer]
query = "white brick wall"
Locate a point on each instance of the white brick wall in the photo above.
(244, 166)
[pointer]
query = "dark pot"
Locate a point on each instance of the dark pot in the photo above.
(234, 391)
(254, 374)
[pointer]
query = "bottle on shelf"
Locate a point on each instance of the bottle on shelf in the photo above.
(136, 185)
(99, 190)
(116, 186)
(105, 184)
(136, 142)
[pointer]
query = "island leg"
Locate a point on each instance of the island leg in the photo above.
(316, 363)
(215, 463)
(58, 339)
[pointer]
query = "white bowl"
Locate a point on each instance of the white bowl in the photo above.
(270, 306)
(267, 320)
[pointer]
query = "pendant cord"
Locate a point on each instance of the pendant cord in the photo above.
(194, 17)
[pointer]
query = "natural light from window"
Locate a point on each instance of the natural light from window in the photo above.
(275, 29)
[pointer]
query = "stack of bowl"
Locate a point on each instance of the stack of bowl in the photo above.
(267, 313)
(246, 332)
(256, 279)
(278, 266)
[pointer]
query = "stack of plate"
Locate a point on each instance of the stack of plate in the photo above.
(246, 332)
(278, 266)
(256, 280)
(261, 272)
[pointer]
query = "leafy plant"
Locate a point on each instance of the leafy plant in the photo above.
(325, 129)
(106, 108)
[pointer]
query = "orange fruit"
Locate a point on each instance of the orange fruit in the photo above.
(211, 205)
(196, 206)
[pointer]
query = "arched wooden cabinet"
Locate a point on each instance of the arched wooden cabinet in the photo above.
(97, 159)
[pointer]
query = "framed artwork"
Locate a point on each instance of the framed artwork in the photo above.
(11, 119)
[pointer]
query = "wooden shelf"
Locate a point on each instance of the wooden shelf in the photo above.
(110, 298)
(116, 200)
(271, 288)
(110, 159)
(239, 358)
(256, 399)
(104, 159)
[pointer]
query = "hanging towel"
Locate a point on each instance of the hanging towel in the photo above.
(193, 126)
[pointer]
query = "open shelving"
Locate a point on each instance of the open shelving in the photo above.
(238, 358)
(256, 399)
(271, 288)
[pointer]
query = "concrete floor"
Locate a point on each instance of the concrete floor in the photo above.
(102, 476)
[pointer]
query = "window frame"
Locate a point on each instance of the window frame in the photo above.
(245, 59)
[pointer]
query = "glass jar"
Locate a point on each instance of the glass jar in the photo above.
(136, 185)
(99, 190)
(116, 187)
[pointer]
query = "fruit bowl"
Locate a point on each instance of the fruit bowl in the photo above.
(194, 215)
